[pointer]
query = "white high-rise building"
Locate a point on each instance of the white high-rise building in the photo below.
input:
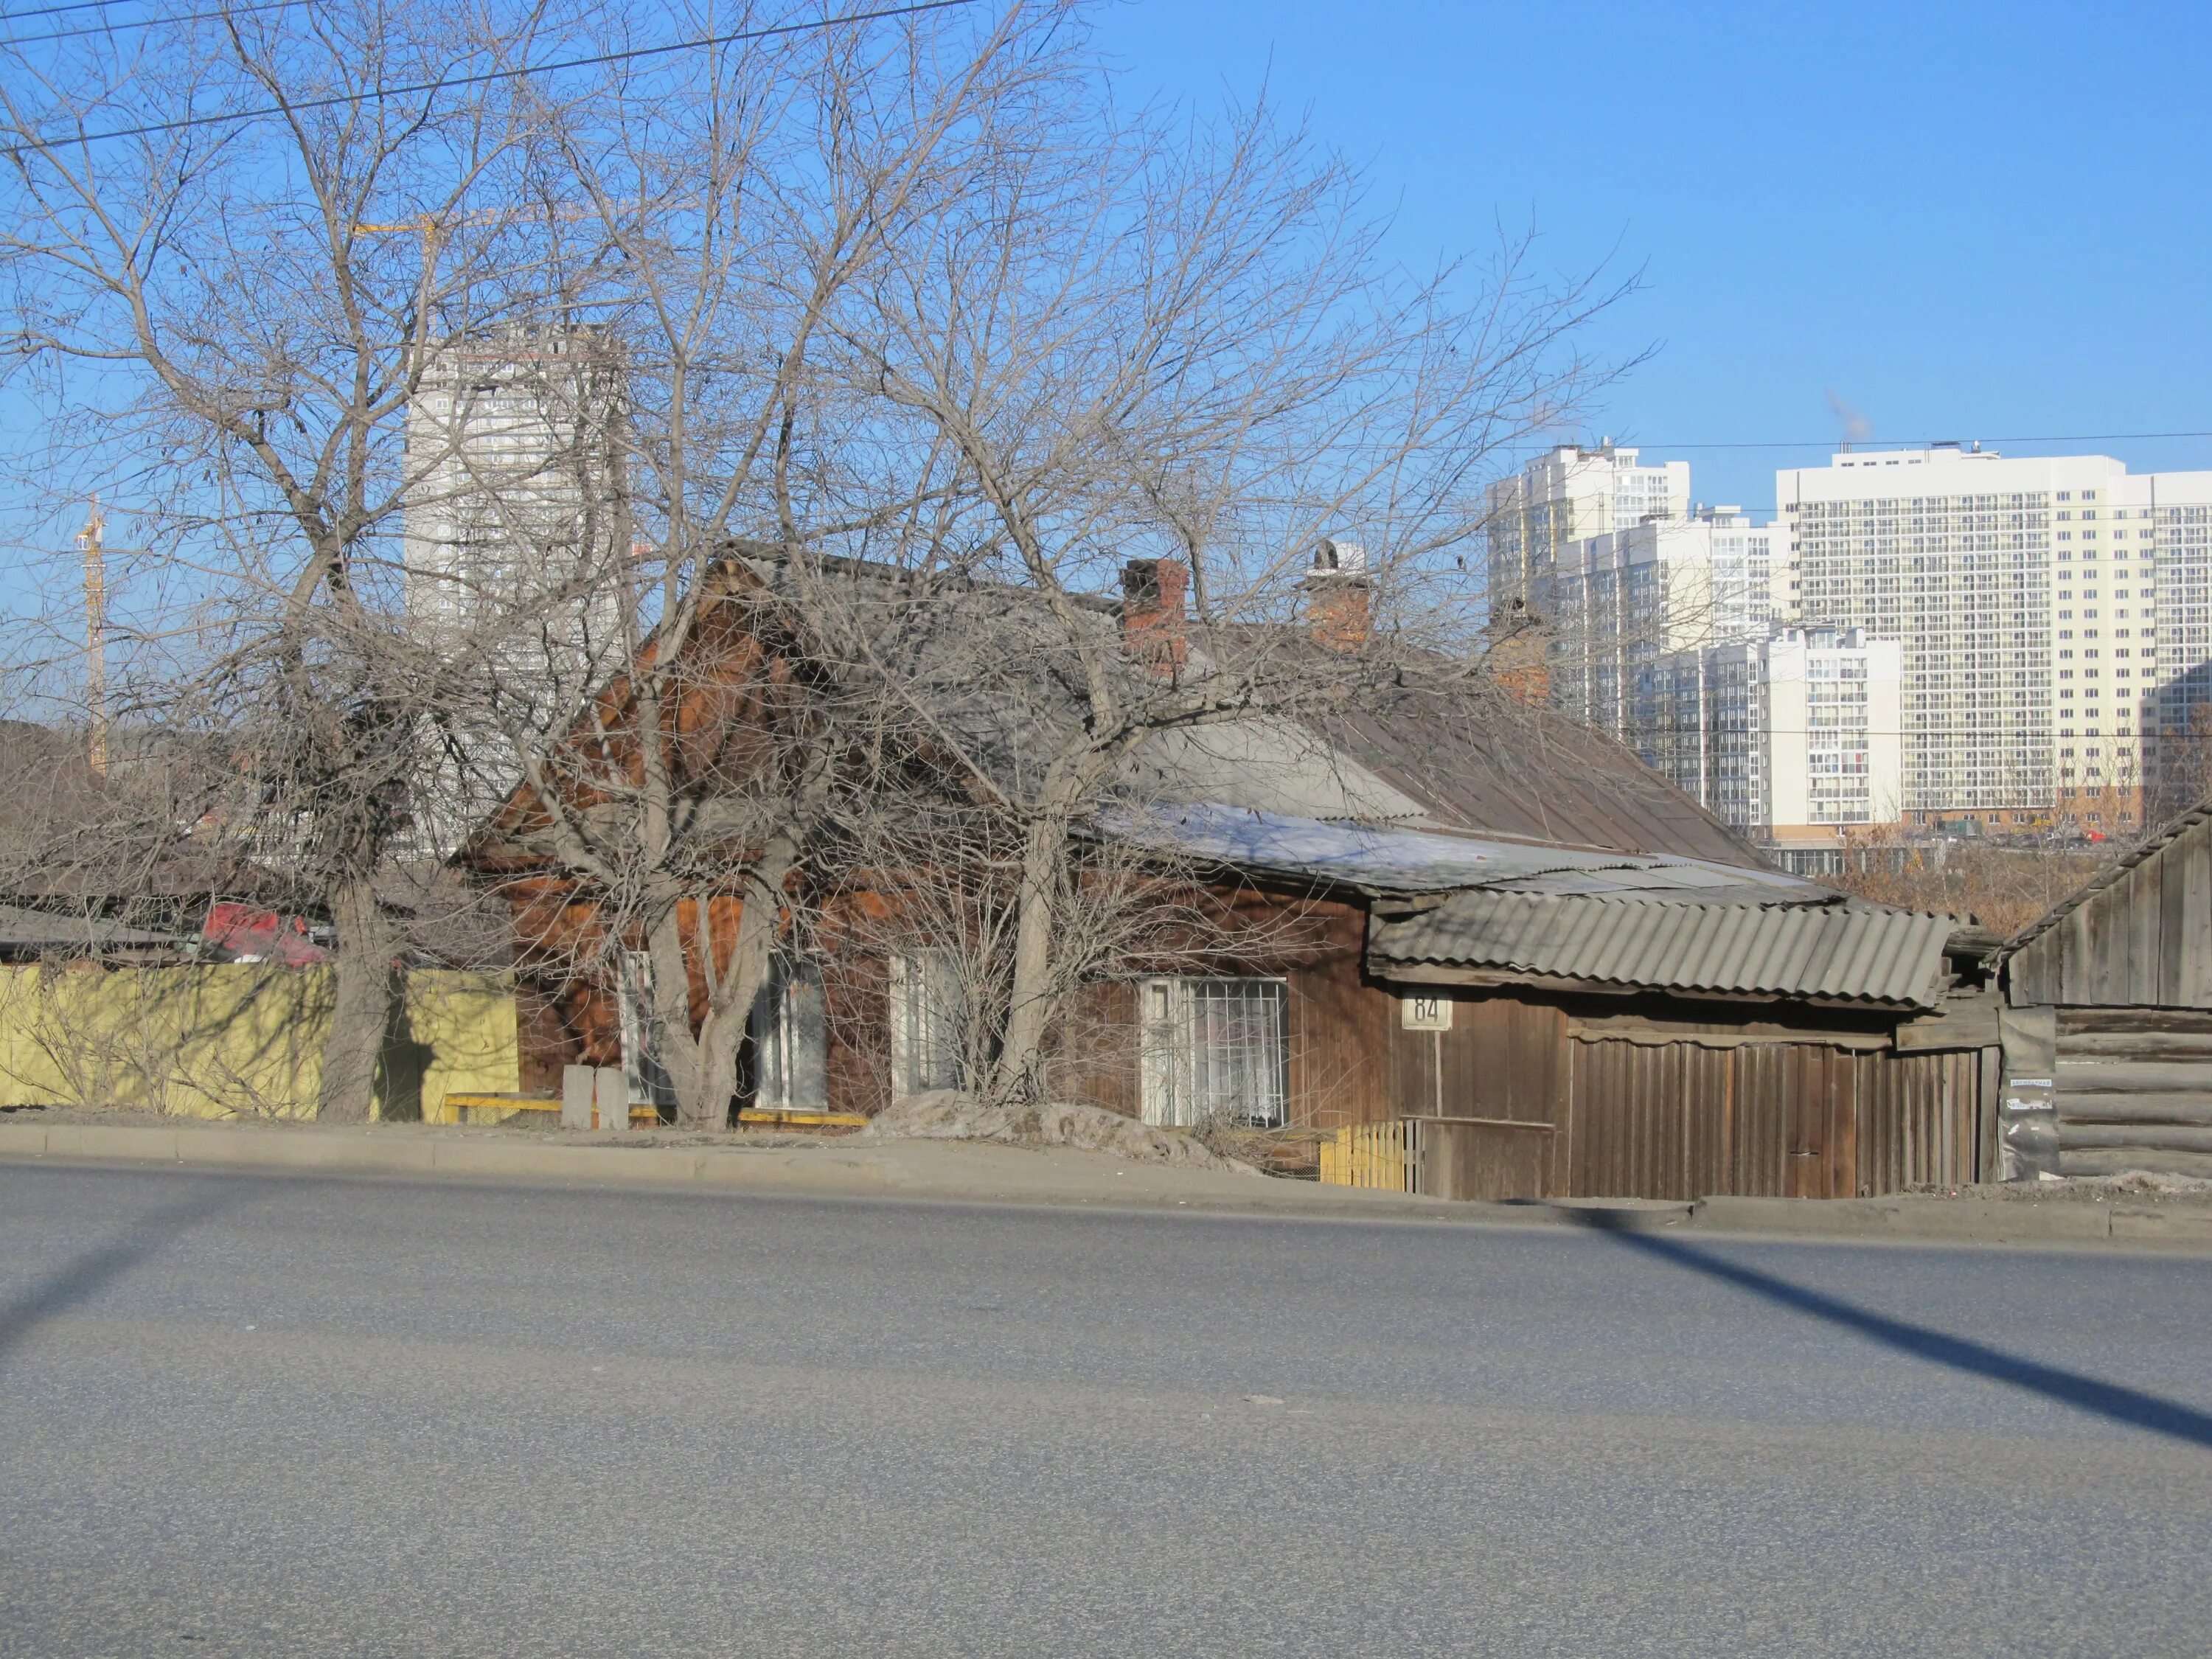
(2057, 615)
(1787, 738)
(512, 475)
(1564, 496)
(1622, 602)
(510, 526)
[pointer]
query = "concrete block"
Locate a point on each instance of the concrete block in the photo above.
(523, 1162)
(610, 1098)
(1989, 1220)
(577, 1085)
(24, 1138)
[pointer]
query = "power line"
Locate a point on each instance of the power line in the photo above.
(110, 26)
(232, 117)
(56, 11)
(1856, 445)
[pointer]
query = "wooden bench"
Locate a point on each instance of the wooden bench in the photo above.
(457, 1107)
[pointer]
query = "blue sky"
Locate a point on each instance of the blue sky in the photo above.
(1965, 221)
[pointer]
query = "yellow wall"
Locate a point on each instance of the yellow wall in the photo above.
(239, 1039)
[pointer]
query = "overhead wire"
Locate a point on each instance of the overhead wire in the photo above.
(229, 118)
(1856, 445)
(56, 11)
(111, 25)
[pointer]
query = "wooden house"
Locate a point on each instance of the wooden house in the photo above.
(2108, 1018)
(1576, 978)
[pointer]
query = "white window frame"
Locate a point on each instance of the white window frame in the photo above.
(925, 997)
(1180, 1083)
(791, 1045)
(646, 1076)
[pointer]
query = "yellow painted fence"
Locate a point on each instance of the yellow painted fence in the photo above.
(1379, 1155)
(240, 1039)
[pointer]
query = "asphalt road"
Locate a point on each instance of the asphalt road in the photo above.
(290, 1416)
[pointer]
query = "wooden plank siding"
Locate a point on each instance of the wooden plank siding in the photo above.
(1642, 1097)
(1692, 1107)
(2140, 938)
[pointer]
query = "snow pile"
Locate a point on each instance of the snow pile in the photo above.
(947, 1115)
(2150, 1184)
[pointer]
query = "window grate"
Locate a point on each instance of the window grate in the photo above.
(1217, 1050)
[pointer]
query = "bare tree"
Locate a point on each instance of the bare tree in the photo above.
(932, 441)
(1169, 352)
(748, 197)
(237, 243)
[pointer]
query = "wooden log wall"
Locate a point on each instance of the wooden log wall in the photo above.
(2133, 1091)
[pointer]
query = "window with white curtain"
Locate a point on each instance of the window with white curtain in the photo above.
(642, 1070)
(926, 1003)
(790, 1034)
(1215, 1050)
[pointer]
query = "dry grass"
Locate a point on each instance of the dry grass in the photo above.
(2002, 888)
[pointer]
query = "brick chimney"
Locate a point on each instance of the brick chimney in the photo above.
(1520, 660)
(1153, 631)
(1339, 599)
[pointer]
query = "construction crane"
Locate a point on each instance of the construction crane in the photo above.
(90, 539)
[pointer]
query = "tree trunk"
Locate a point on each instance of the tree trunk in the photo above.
(730, 1008)
(1034, 1000)
(360, 1008)
(702, 1066)
(666, 1018)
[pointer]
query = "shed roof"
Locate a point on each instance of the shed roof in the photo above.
(26, 930)
(1631, 921)
(1714, 944)
(2150, 848)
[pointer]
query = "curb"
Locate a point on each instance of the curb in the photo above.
(1971, 1221)
(404, 1151)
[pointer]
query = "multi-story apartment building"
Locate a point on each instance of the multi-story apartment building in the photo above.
(513, 470)
(1622, 602)
(2056, 613)
(1566, 497)
(510, 527)
(1792, 737)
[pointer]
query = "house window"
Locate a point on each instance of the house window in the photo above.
(791, 1047)
(1215, 1050)
(926, 1002)
(647, 1079)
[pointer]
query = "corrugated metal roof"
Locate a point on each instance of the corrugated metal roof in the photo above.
(1837, 952)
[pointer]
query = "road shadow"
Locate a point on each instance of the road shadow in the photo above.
(76, 1281)
(2112, 1400)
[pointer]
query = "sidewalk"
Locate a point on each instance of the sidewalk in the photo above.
(967, 1172)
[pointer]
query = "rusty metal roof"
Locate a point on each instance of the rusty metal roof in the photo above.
(1835, 952)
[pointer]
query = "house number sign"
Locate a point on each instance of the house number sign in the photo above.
(1426, 1013)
